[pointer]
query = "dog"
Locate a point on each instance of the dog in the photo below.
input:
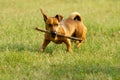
(72, 26)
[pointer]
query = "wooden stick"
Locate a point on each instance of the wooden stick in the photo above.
(61, 35)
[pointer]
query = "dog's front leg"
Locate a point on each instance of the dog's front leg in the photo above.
(44, 45)
(68, 44)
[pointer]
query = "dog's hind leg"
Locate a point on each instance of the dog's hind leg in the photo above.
(78, 43)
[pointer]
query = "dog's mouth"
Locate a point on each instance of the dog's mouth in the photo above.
(53, 34)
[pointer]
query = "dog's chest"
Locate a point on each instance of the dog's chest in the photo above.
(57, 40)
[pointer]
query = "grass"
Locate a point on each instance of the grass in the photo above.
(97, 59)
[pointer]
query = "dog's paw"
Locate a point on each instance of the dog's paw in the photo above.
(69, 51)
(40, 50)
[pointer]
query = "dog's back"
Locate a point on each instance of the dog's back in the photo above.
(75, 26)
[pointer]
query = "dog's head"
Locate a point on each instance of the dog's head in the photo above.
(52, 23)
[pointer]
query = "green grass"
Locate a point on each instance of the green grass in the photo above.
(97, 59)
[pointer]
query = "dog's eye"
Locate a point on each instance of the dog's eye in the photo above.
(50, 25)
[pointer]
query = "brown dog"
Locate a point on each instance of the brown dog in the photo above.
(72, 26)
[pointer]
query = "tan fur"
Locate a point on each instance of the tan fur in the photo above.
(72, 26)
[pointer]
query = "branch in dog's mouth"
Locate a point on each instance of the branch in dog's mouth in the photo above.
(61, 35)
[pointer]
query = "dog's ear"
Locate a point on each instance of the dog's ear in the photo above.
(59, 17)
(44, 15)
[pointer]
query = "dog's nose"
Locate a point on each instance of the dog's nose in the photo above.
(53, 34)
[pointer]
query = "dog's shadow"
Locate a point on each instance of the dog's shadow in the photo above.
(18, 48)
(50, 49)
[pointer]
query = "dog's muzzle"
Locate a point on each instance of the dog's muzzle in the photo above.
(53, 34)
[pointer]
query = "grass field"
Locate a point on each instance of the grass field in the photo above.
(97, 59)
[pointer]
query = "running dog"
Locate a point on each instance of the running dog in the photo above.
(72, 26)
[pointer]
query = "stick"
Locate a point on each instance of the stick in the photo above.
(61, 35)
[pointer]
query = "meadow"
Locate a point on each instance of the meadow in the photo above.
(97, 59)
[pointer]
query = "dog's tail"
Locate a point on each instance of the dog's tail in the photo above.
(75, 16)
